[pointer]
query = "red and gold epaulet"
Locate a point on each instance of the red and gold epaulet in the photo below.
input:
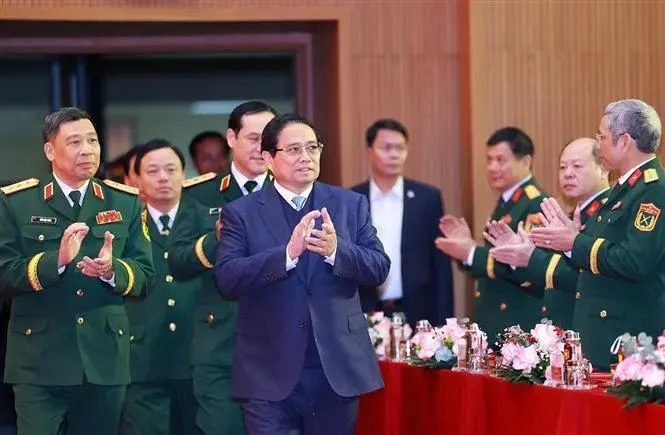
(21, 185)
(198, 180)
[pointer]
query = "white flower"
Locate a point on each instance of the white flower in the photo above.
(546, 337)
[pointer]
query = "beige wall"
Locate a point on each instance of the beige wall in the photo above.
(452, 70)
(551, 67)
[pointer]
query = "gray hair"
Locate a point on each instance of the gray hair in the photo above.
(636, 118)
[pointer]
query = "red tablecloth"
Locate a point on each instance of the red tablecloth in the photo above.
(429, 402)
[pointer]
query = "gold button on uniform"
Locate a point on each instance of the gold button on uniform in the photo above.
(169, 278)
(166, 255)
(41, 237)
(172, 326)
(171, 302)
(603, 314)
(477, 294)
(120, 332)
(543, 309)
(503, 306)
(28, 331)
(79, 320)
(578, 295)
(211, 317)
(80, 292)
(131, 338)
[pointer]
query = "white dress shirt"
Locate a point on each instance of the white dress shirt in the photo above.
(156, 214)
(387, 217)
(241, 179)
(67, 190)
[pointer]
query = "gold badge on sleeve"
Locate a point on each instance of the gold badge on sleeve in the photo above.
(646, 217)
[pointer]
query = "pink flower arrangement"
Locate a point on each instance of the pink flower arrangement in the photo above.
(641, 374)
(437, 346)
(525, 355)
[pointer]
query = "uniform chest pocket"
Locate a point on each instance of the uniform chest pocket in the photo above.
(40, 237)
(614, 217)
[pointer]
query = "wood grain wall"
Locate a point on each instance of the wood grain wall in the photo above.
(551, 67)
(398, 58)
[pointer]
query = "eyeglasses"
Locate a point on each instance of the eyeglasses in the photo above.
(600, 137)
(312, 149)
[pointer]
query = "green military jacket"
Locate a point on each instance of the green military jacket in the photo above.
(67, 328)
(192, 254)
(555, 272)
(503, 296)
(161, 324)
(621, 255)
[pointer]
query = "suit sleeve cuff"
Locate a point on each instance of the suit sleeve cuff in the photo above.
(42, 270)
(205, 250)
(585, 252)
(125, 277)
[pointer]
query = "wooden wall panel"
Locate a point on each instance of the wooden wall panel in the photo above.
(551, 67)
(397, 58)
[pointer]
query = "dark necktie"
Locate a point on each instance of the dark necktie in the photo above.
(75, 196)
(165, 220)
(250, 185)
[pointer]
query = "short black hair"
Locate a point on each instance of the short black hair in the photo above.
(205, 135)
(53, 121)
(385, 124)
(520, 143)
(152, 145)
(270, 135)
(127, 158)
(247, 108)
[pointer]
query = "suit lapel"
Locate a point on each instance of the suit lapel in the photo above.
(232, 192)
(409, 209)
(58, 201)
(92, 204)
(321, 195)
(273, 216)
(155, 235)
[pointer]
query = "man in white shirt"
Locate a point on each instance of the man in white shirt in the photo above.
(406, 216)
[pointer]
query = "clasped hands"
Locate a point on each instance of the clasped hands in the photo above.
(557, 233)
(306, 237)
(70, 245)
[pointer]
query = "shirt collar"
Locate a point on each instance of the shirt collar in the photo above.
(241, 179)
(627, 175)
(288, 195)
(509, 193)
(592, 197)
(67, 190)
(156, 214)
(397, 190)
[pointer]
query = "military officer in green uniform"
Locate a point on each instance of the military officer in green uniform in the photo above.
(503, 297)
(160, 399)
(193, 254)
(582, 179)
(72, 248)
(621, 252)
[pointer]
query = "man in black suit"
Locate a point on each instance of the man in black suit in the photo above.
(406, 215)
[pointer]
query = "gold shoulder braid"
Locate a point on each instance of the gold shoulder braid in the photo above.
(21, 185)
(122, 187)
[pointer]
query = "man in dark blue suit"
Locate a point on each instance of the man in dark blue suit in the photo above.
(406, 215)
(294, 254)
